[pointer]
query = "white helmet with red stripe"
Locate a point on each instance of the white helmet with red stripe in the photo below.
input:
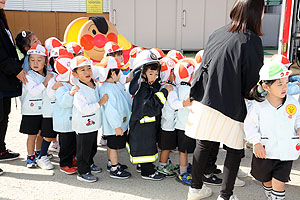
(166, 65)
(58, 51)
(106, 64)
(38, 49)
(282, 59)
(132, 56)
(158, 52)
(74, 48)
(80, 61)
(175, 54)
(53, 42)
(198, 59)
(184, 71)
(62, 66)
(111, 47)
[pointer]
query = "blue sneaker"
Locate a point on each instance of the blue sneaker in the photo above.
(95, 168)
(185, 178)
(88, 177)
(31, 161)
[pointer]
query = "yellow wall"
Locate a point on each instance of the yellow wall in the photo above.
(43, 24)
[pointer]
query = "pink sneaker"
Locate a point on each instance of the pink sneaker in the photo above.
(54, 147)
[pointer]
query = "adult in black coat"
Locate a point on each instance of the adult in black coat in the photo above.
(11, 75)
(230, 68)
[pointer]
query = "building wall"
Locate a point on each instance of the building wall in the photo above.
(43, 24)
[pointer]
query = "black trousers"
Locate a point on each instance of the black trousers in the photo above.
(212, 159)
(67, 143)
(86, 150)
(5, 104)
(231, 166)
(147, 169)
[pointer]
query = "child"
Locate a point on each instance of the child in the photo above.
(24, 41)
(183, 71)
(32, 99)
(272, 126)
(148, 101)
(115, 115)
(62, 115)
(86, 118)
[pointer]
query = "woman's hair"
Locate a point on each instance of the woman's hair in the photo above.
(152, 66)
(246, 14)
(23, 41)
(117, 71)
(258, 95)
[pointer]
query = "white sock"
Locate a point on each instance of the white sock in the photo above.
(278, 195)
(268, 191)
(162, 165)
(183, 169)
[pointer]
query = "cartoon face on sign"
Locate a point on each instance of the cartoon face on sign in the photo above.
(93, 33)
(291, 110)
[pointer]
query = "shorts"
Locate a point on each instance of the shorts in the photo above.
(47, 128)
(185, 143)
(31, 124)
(167, 140)
(117, 142)
(264, 170)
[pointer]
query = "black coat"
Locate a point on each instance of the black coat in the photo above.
(236, 59)
(10, 66)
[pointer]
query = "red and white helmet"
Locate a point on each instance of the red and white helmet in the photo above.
(58, 51)
(175, 54)
(282, 59)
(158, 52)
(38, 49)
(62, 66)
(166, 65)
(80, 61)
(74, 48)
(198, 57)
(111, 47)
(184, 71)
(53, 42)
(132, 56)
(106, 64)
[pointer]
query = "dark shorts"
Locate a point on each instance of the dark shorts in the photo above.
(264, 170)
(185, 143)
(31, 124)
(117, 142)
(47, 128)
(167, 140)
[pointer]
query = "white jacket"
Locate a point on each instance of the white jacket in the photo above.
(274, 128)
(32, 94)
(86, 116)
(183, 113)
(49, 98)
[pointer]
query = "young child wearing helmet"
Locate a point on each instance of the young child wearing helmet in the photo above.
(148, 100)
(272, 125)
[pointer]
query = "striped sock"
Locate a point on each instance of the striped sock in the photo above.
(268, 191)
(278, 195)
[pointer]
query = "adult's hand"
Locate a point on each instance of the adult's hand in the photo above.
(21, 76)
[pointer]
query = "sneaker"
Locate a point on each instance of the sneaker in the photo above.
(31, 161)
(119, 173)
(233, 197)
(54, 147)
(212, 180)
(166, 171)
(185, 178)
(68, 170)
(138, 168)
(8, 155)
(1, 171)
(103, 142)
(171, 166)
(95, 168)
(37, 153)
(88, 177)
(108, 166)
(156, 176)
(239, 182)
(189, 169)
(44, 163)
(242, 174)
(202, 193)
(74, 163)
(217, 171)
(49, 155)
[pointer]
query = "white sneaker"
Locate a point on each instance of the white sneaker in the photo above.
(103, 142)
(242, 174)
(44, 163)
(239, 182)
(202, 193)
(233, 197)
(54, 147)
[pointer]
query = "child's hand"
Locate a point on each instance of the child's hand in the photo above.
(259, 151)
(47, 79)
(298, 83)
(74, 90)
(103, 100)
(128, 79)
(119, 131)
(57, 85)
(169, 88)
(187, 102)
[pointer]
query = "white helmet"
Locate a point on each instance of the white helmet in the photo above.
(184, 71)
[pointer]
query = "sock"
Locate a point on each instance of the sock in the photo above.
(162, 165)
(183, 169)
(268, 191)
(114, 167)
(44, 149)
(278, 195)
